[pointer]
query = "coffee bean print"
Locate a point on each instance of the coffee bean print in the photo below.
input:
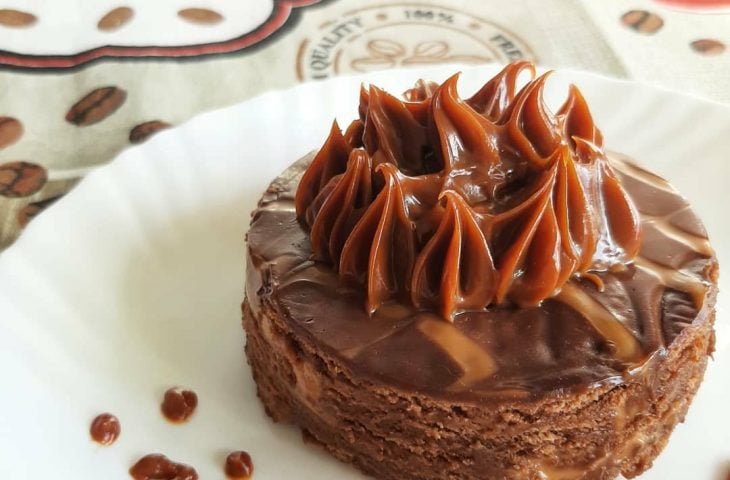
(16, 18)
(115, 19)
(10, 131)
(202, 16)
(30, 211)
(145, 130)
(708, 46)
(21, 179)
(96, 106)
(642, 21)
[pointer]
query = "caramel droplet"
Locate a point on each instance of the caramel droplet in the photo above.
(178, 404)
(105, 429)
(239, 466)
(156, 466)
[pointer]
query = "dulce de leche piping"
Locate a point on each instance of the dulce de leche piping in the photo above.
(455, 205)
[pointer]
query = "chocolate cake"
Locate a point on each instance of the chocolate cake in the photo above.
(476, 289)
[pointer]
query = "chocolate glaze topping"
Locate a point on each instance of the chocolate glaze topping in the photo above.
(156, 466)
(560, 266)
(179, 404)
(457, 205)
(105, 429)
(583, 336)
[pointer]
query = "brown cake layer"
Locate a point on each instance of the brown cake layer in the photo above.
(396, 435)
(586, 385)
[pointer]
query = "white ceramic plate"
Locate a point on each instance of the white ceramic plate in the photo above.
(132, 283)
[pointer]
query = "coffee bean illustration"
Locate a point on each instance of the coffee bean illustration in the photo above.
(115, 19)
(145, 130)
(642, 21)
(708, 46)
(10, 131)
(96, 106)
(201, 16)
(30, 211)
(16, 18)
(21, 179)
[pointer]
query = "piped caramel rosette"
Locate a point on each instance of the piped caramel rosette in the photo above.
(456, 205)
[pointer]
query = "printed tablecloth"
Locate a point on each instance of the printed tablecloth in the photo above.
(82, 80)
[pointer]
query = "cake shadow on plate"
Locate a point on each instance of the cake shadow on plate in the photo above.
(165, 316)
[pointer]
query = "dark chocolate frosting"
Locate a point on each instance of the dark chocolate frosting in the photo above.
(454, 205)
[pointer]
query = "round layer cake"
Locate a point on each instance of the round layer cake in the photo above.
(475, 289)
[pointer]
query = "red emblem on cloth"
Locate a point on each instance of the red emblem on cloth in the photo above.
(282, 14)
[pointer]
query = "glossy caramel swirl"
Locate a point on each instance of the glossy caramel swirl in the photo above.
(455, 205)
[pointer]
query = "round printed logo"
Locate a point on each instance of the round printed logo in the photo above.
(381, 37)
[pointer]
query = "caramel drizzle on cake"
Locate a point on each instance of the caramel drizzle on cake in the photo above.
(476, 363)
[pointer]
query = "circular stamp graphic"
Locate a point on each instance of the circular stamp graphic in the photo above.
(403, 35)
